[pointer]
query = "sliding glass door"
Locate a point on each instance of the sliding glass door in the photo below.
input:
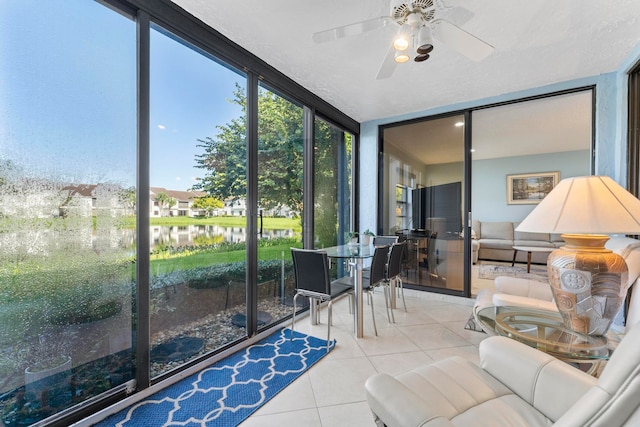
(521, 150)
(422, 199)
(432, 190)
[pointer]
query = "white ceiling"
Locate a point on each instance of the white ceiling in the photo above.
(536, 43)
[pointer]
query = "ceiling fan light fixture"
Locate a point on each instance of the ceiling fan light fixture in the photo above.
(401, 57)
(402, 39)
(424, 49)
(400, 43)
(425, 41)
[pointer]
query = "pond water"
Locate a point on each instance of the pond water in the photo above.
(205, 234)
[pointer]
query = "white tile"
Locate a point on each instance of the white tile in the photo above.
(469, 352)
(389, 340)
(332, 392)
(340, 381)
(415, 315)
(348, 415)
(433, 337)
(296, 396)
(450, 312)
(397, 363)
(304, 418)
(346, 345)
(457, 327)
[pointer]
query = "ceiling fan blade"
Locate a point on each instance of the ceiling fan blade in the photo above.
(351, 29)
(460, 40)
(458, 14)
(388, 65)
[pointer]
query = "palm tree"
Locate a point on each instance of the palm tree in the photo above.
(165, 202)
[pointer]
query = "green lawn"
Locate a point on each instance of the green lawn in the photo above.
(160, 266)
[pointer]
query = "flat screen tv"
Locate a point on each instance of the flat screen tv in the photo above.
(438, 208)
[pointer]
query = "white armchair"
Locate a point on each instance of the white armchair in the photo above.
(514, 385)
(515, 292)
(511, 291)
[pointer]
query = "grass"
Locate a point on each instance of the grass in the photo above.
(161, 266)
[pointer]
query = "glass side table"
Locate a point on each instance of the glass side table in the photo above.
(545, 331)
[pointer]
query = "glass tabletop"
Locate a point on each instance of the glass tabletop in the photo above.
(350, 251)
(545, 331)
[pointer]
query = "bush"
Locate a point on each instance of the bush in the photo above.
(220, 275)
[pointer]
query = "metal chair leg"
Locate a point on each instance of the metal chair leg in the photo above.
(401, 288)
(373, 316)
(393, 316)
(329, 320)
(385, 290)
(293, 319)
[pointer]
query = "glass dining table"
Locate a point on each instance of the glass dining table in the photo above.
(355, 254)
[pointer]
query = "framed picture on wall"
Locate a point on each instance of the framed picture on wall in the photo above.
(530, 188)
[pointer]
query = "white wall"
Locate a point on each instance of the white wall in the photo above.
(489, 181)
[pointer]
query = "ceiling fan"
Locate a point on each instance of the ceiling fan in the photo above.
(416, 22)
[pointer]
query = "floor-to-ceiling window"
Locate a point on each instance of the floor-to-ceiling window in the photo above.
(198, 157)
(280, 202)
(67, 205)
(332, 150)
(151, 191)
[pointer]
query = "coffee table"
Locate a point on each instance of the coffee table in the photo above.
(545, 331)
(529, 250)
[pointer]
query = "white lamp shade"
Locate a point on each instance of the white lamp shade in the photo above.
(587, 204)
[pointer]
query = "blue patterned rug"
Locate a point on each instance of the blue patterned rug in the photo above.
(227, 392)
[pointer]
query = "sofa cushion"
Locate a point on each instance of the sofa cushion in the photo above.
(556, 238)
(496, 230)
(537, 237)
(496, 244)
(534, 243)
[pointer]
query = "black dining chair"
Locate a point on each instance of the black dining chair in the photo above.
(384, 240)
(393, 273)
(311, 271)
(375, 278)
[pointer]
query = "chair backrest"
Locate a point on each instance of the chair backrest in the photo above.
(615, 400)
(378, 265)
(395, 259)
(431, 245)
(311, 270)
(384, 240)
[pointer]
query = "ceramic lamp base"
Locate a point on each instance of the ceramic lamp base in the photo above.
(588, 282)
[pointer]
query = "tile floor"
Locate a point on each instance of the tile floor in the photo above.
(332, 392)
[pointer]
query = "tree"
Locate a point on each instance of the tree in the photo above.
(280, 132)
(164, 202)
(208, 204)
(128, 199)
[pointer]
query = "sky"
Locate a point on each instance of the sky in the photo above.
(68, 96)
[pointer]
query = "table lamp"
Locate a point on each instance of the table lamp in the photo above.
(588, 281)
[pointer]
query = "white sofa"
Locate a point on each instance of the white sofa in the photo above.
(514, 385)
(494, 240)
